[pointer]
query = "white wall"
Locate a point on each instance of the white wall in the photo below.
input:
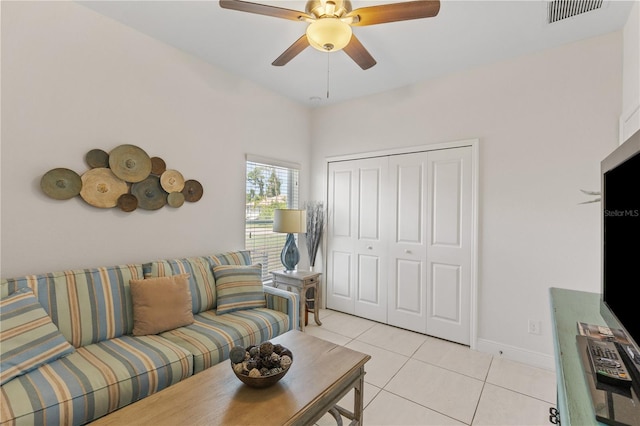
(630, 119)
(74, 80)
(544, 122)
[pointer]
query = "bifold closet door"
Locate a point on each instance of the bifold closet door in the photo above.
(356, 267)
(399, 240)
(407, 282)
(449, 240)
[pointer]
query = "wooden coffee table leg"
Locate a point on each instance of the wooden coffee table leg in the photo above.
(358, 400)
(357, 415)
(336, 415)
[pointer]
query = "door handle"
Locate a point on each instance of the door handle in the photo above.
(407, 251)
(369, 247)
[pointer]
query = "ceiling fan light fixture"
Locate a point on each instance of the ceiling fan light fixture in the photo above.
(329, 34)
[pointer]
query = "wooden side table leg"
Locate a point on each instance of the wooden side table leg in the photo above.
(303, 307)
(306, 315)
(317, 297)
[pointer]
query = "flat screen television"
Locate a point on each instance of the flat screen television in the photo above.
(620, 305)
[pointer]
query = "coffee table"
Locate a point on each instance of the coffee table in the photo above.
(321, 374)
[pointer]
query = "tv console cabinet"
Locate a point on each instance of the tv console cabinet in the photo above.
(568, 307)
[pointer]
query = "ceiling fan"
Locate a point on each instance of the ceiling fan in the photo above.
(330, 23)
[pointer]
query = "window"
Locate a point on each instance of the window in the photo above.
(270, 185)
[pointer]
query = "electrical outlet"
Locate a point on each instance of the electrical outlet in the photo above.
(534, 327)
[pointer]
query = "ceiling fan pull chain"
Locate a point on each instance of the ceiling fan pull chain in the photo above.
(328, 55)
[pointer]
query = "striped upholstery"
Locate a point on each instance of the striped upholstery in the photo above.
(286, 302)
(241, 257)
(28, 339)
(93, 381)
(238, 287)
(211, 336)
(201, 283)
(87, 305)
(110, 369)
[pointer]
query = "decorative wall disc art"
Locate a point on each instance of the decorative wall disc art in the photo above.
(172, 181)
(101, 188)
(192, 191)
(126, 178)
(130, 163)
(97, 158)
(61, 183)
(127, 202)
(158, 166)
(149, 193)
(175, 199)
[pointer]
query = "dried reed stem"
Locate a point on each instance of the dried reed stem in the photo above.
(315, 226)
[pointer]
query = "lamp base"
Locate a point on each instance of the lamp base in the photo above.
(290, 255)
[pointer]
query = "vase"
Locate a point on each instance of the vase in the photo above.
(290, 255)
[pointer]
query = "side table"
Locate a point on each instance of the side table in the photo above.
(302, 281)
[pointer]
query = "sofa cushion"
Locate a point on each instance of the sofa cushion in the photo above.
(239, 287)
(87, 305)
(160, 304)
(211, 336)
(240, 257)
(201, 283)
(29, 339)
(93, 381)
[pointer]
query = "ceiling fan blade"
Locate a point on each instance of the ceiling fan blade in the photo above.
(359, 54)
(263, 9)
(394, 12)
(293, 51)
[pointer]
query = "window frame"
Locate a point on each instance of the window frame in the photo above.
(265, 245)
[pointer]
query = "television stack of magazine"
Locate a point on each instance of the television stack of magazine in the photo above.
(603, 333)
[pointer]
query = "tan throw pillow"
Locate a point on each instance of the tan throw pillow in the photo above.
(160, 304)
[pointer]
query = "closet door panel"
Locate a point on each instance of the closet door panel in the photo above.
(449, 244)
(369, 204)
(409, 295)
(356, 273)
(371, 245)
(341, 237)
(407, 280)
(369, 279)
(446, 294)
(341, 203)
(341, 274)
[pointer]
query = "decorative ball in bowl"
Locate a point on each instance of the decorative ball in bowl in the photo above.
(260, 366)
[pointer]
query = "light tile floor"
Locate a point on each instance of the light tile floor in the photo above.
(414, 379)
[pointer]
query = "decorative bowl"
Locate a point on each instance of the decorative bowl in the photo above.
(264, 380)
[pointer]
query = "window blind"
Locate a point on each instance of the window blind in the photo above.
(270, 185)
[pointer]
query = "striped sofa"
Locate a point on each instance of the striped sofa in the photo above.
(108, 367)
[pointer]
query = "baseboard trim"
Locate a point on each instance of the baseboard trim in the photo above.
(513, 353)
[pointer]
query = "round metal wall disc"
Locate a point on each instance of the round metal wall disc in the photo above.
(61, 183)
(172, 181)
(192, 191)
(175, 199)
(101, 188)
(127, 202)
(158, 166)
(130, 163)
(149, 193)
(97, 158)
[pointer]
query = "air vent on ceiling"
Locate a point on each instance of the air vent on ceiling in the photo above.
(558, 10)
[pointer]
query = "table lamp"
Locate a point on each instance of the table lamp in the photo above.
(290, 221)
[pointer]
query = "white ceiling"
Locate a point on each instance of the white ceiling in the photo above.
(464, 34)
